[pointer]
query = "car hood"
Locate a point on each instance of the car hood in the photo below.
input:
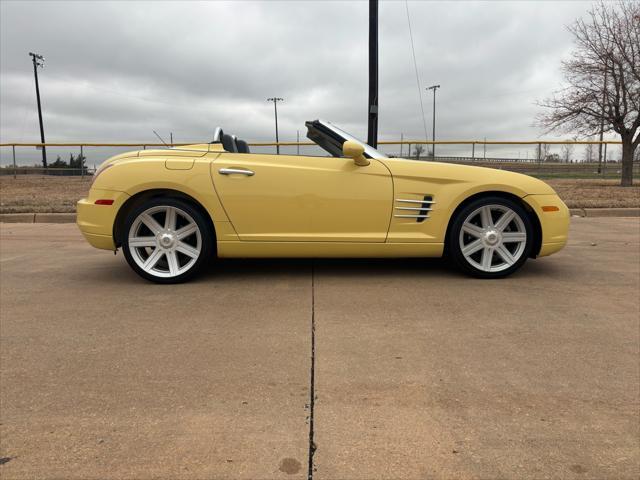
(455, 173)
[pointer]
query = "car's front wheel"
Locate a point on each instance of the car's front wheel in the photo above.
(166, 240)
(491, 237)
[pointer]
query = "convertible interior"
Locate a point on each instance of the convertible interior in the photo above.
(324, 134)
(230, 143)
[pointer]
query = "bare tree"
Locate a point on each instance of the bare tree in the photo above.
(541, 152)
(419, 149)
(567, 151)
(589, 153)
(603, 74)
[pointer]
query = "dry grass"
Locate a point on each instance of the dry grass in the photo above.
(43, 194)
(32, 193)
(596, 193)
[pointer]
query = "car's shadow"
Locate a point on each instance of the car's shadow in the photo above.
(224, 268)
(437, 268)
(115, 271)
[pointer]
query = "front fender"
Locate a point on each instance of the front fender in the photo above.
(554, 217)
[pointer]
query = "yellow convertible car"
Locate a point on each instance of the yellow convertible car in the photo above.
(172, 210)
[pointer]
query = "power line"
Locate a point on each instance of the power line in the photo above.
(498, 95)
(415, 65)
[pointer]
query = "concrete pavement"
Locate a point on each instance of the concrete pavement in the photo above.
(419, 372)
(105, 376)
(425, 374)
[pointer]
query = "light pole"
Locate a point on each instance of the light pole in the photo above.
(275, 101)
(433, 137)
(372, 107)
(38, 61)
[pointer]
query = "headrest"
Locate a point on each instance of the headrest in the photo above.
(228, 144)
(243, 147)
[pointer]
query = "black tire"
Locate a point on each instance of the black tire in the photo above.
(454, 248)
(206, 240)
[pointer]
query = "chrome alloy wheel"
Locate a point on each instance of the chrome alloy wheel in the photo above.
(165, 241)
(493, 238)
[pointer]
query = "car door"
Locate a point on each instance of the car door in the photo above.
(290, 198)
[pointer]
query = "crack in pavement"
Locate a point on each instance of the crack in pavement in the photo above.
(312, 391)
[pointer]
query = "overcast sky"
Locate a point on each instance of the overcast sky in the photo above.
(115, 71)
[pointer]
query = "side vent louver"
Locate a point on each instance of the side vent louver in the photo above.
(418, 209)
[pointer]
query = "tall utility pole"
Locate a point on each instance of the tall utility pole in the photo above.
(372, 124)
(433, 135)
(38, 61)
(275, 101)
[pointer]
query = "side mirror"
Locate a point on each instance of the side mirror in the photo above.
(354, 150)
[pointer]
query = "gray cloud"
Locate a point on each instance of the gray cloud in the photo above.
(115, 71)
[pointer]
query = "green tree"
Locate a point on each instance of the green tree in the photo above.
(59, 163)
(77, 162)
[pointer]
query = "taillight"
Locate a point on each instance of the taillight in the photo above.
(104, 201)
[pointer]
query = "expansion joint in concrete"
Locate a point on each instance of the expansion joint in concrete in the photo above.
(312, 390)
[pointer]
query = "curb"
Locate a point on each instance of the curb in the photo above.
(612, 212)
(17, 217)
(605, 212)
(37, 217)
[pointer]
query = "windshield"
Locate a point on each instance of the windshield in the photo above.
(330, 138)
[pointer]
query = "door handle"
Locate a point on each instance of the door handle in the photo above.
(240, 171)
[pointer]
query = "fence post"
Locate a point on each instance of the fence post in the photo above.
(14, 161)
(604, 161)
(539, 158)
(81, 163)
(473, 151)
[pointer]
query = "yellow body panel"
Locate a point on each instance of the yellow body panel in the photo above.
(104, 242)
(96, 221)
(290, 199)
(301, 206)
(555, 224)
(138, 172)
(328, 249)
(448, 185)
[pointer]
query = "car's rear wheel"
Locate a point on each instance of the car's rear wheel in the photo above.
(166, 240)
(491, 237)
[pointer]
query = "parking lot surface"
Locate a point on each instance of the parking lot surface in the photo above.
(417, 371)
